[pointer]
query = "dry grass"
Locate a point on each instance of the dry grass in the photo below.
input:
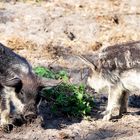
(17, 43)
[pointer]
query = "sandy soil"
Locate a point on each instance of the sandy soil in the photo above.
(47, 33)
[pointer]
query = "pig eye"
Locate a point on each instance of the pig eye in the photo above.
(21, 93)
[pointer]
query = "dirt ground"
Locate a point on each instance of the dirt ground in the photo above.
(47, 33)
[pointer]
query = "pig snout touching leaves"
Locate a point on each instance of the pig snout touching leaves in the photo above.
(19, 88)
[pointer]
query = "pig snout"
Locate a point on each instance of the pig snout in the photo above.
(30, 112)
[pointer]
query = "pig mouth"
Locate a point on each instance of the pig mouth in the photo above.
(30, 116)
(20, 119)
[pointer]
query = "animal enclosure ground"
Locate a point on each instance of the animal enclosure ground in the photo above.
(47, 33)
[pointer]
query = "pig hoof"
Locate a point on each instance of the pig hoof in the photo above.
(107, 117)
(7, 128)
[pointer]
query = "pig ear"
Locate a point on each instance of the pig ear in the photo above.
(44, 82)
(87, 62)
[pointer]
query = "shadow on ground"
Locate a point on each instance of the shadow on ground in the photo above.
(134, 101)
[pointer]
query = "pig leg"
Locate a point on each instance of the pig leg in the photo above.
(5, 111)
(124, 102)
(8, 96)
(114, 101)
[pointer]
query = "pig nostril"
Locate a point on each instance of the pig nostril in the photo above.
(30, 116)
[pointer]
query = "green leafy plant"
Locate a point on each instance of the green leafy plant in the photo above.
(44, 72)
(67, 99)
